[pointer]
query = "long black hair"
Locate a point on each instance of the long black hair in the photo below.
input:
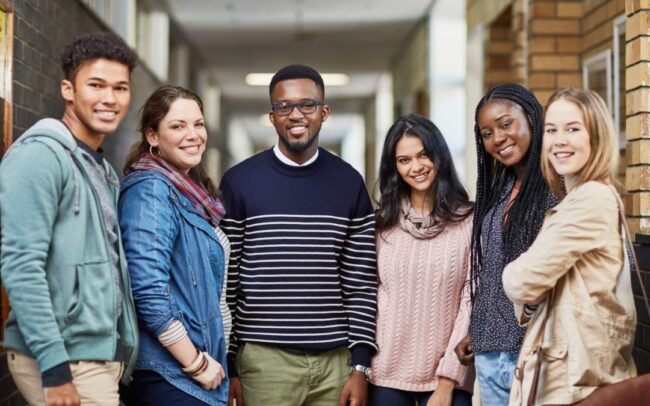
(526, 213)
(450, 200)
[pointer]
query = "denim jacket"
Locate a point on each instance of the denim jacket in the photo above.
(176, 265)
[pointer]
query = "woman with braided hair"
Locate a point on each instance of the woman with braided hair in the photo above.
(511, 200)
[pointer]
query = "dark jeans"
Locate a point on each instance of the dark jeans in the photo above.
(381, 396)
(150, 389)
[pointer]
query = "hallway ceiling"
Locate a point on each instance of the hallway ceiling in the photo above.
(357, 37)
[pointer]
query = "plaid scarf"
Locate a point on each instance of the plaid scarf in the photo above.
(210, 207)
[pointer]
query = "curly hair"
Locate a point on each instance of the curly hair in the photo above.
(527, 211)
(297, 72)
(95, 45)
(450, 200)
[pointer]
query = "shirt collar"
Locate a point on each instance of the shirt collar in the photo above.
(285, 160)
(97, 155)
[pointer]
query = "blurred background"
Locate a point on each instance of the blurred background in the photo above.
(380, 59)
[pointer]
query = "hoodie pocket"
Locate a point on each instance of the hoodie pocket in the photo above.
(92, 308)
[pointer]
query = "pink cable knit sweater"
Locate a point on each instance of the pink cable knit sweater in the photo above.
(420, 313)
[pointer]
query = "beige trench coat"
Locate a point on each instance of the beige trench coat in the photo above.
(574, 268)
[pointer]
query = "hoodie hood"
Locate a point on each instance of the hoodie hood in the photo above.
(53, 129)
(57, 131)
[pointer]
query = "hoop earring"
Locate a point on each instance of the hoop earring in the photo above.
(151, 149)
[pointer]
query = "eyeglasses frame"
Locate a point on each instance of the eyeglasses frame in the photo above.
(297, 105)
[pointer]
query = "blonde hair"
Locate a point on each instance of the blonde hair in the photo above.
(602, 164)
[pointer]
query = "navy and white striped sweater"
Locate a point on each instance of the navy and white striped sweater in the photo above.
(302, 271)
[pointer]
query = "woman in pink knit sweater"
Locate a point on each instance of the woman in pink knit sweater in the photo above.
(423, 236)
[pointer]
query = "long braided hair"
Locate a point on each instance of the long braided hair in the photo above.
(527, 211)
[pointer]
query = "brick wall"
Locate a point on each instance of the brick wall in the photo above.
(637, 156)
(519, 35)
(554, 46)
(597, 30)
(41, 29)
(499, 50)
(637, 62)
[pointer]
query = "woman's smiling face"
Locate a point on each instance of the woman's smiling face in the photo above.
(505, 132)
(181, 135)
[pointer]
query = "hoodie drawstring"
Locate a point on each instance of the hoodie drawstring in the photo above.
(77, 192)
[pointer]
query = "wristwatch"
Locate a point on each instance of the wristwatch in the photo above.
(367, 372)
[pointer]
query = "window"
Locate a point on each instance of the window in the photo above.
(597, 75)
(119, 15)
(152, 42)
(619, 80)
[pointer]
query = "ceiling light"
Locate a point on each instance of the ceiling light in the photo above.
(258, 79)
(335, 79)
(330, 79)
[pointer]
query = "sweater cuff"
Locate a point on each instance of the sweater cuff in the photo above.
(452, 369)
(57, 375)
(361, 354)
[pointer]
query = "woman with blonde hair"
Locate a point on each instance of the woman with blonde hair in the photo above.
(581, 335)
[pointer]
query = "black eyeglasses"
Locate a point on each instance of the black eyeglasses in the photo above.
(306, 106)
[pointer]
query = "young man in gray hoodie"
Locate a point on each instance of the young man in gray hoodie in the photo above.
(71, 332)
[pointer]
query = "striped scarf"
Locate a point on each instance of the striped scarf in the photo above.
(210, 207)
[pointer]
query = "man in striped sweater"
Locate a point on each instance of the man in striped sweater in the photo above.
(302, 276)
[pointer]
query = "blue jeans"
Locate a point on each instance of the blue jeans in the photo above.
(382, 396)
(150, 389)
(495, 371)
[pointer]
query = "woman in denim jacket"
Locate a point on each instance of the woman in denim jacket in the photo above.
(169, 211)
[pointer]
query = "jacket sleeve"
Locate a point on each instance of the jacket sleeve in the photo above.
(579, 225)
(149, 229)
(358, 275)
(449, 366)
(31, 185)
(234, 226)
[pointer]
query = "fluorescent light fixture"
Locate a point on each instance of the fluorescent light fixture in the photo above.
(258, 79)
(335, 79)
(330, 79)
